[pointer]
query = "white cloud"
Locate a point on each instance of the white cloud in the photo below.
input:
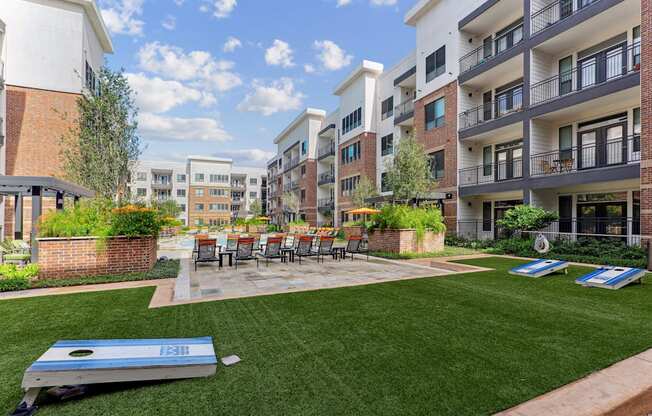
(162, 128)
(155, 95)
(342, 3)
(277, 96)
(309, 68)
(332, 56)
(250, 157)
(179, 2)
(169, 23)
(231, 44)
(121, 16)
(220, 8)
(382, 2)
(279, 54)
(197, 66)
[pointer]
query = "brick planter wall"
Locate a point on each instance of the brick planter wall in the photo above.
(80, 256)
(298, 229)
(352, 231)
(405, 241)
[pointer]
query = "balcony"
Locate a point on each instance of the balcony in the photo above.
(325, 205)
(326, 151)
(556, 12)
(404, 113)
(498, 47)
(292, 186)
(325, 178)
(161, 183)
(601, 70)
(491, 173)
(501, 107)
(614, 152)
(291, 164)
(238, 186)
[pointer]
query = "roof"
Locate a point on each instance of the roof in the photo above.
(210, 159)
(417, 11)
(11, 185)
(364, 67)
(305, 113)
(95, 16)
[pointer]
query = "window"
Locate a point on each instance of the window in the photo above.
(199, 207)
(387, 145)
(351, 153)
(253, 181)
(199, 177)
(253, 194)
(352, 121)
(216, 192)
(636, 52)
(218, 207)
(349, 185)
(637, 130)
(384, 186)
(181, 177)
(181, 193)
(304, 148)
(387, 108)
(91, 81)
(219, 178)
(199, 192)
(212, 207)
(141, 176)
(486, 161)
(199, 221)
(436, 64)
(566, 142)
(182, 207)
(435, 113)
(141, 192)
(303, 170)
(437, 165)
(303, 195)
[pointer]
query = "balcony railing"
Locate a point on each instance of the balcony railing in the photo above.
(326, 151)
(291, 186)
(490, 173)
(604, 68)
(502, 106)
(556, 12)
(291, 164)
(403, 111)
(325, 204)
(612, 153)
(484, 53)
(325, 178)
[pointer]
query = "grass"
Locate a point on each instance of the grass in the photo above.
(469, 344)
(447, 251)
(162, 270)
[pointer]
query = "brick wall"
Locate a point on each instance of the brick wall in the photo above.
(646, 117)
(62, 258)
(308, 183)
(365, 166)
(405, 241)
(206, 215)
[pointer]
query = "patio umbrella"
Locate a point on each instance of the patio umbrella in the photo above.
(263, 218)
(363, 211)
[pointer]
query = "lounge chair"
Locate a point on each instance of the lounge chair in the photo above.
(325, 248)
(206, 252)
(304, 248)
(232, 242)
(355, 245)
(272, 251)
(244, 250)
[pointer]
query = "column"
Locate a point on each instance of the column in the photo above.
(36, 213)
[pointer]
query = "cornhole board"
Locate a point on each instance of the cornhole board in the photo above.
(611, 277)
(119, 360)
(539, 268)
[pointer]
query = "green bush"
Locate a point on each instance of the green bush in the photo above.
(527, 218)
(134, 221)
(9, 285)
(403, 216)
(12, 271)
(455, 241)
(273, 228)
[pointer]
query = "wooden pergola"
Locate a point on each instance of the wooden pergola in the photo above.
(36, 187)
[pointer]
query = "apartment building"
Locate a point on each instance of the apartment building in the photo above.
(50, 53)
(210, 190)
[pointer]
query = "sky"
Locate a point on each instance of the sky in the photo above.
(225, 77)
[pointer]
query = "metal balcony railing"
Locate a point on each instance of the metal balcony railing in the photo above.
(502, 106)
(556, 12)
(495, 172)
(604, 68)
(614, 152)
(325, 204)
(325, 178)
(326, 151)
(291, 164)
(291, 186)
(485, 53)
(403, 111)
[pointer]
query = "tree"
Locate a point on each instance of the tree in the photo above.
(409, 174)
(168, 208)
(291, 202)
(365, 189)
(527, 218)
(256, 208)
(98, 149)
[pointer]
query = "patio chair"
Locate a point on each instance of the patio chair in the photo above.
(324, 248)
(232, 242)
(355, 245)
(15, 252)
(244, 250)
(206, 252)
(290, 241)
(272, 251)
(304, 248)
(198, 237)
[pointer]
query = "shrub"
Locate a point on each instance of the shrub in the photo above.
(272, 228)
(8, 285)
(455, 241)
(134, 221)
(402, 217)
(88, 218)
(527, 218)
(11, 271)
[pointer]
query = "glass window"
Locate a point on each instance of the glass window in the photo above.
(199, 177)
(253, 195)
(142, 192)
(181, 177)
(253, 181)
(435, 112)
(487, 160)
(199, 207)
(384, 186)
(387, 108)
(437, 165)
(387, 145)
(141, 176)
(199, 192)
(181, 193)
(436, 64)
(304, 148)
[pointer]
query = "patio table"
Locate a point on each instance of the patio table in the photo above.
(288, 253)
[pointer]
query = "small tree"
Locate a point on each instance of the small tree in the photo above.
(527, 218)
(168, 208)
(291, 202)
(365, 189)
(409, 174)
(256, 208)
(98, 149)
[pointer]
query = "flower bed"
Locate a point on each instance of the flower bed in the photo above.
(405, 241)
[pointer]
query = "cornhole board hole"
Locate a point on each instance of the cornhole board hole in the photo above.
(118, 360)
(611, 277)
(539, 268)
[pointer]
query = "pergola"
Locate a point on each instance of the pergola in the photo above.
(37, 187)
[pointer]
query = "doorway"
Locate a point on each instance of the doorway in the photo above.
(602, 142)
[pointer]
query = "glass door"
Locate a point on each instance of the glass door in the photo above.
(602, 66)
(587, 149)
(565, 75)
(602, 218)
(602, 146)
(509, 163)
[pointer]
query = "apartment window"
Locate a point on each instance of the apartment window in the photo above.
(141, 176)
(303, 195)
(352, 121)
(351, 153)
(304, 148)
(387, 108)
(637, 130)
(387, 145)
(181, 177)
(199, 207)
(636, 52)
(181, 193)
(216, 192)
(384, 186)
(91, 80)
(182, 207)
(436, 64)
(253, 194)
(509, 36)
(199, 221)
(199, 192)
(349, 185)
(435, 112)
(566, 142)
(486, 161)
(253, 181)
(199, 177)
(212, 207)
(218, 207)
(303, 170)
(141, 192)
(437, 165)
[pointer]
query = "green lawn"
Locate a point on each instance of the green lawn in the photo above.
(446, 252)
(464, 345)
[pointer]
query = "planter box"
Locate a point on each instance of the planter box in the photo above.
(405, 241)
(352, 231)
(256, 229)
(298, 229)
(82, 256)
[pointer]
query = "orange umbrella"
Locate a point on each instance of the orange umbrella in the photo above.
(363, 211)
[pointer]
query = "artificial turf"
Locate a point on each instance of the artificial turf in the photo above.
(468, 344)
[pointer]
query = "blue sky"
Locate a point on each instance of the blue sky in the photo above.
(224, 77)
